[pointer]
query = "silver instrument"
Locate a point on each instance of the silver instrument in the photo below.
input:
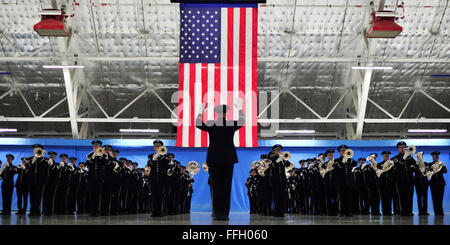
(38, 152)
(205, 167)
(162, 150)
(386, 166)
(193, 167)
(435, 167)
(327, 169)
(286, 155)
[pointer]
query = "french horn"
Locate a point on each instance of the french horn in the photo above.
(38, 152)
(193, 167)
(205, 167)
(254, 164)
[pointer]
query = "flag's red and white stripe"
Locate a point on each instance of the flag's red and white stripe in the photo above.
(223, 83)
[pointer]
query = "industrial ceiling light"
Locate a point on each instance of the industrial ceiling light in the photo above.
(296, 131)
(427, 130)
(52, 24)
(8, 130)
(372, 68)
(129, 130)
(61, 66)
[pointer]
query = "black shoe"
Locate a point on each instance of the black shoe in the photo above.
(5, 213)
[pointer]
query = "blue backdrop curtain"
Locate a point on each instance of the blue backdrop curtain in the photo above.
(137, 150)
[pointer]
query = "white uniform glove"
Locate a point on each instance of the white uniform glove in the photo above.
(155, 156)
(279, 159)
(407, 154)
(116, 166)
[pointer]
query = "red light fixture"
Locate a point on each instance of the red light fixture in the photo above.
(383, 25)
(51, 25)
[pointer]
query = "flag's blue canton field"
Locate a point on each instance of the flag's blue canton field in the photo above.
(200, 35)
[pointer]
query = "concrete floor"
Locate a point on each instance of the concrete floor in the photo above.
(203, 218)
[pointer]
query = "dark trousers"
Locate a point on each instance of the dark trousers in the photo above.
(36, 191)
(132, 201)
(22, 199)
(7, 192)
(437, 194)
(374, 199)
(106, 197)
(279, 198)
(395, 200)
(48, 198)
(158, 195)
(171, 199)
(94, 195)
(115, 199)
(316, 199)
(385, 192)
(71, 200)
(221, 178)
(252, 201)
(405, 196)
(264, 200)
(300, 201)
(60, 200)
(345, 193)
(81, 202)
(331, 195)
(422, 198)
(363, 200)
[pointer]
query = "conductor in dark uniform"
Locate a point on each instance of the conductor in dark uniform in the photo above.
(221, 156)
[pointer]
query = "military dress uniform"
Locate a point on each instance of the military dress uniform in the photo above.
(404, 180)
(345, 182)
(107, 186)
(7, 175)
(159, 165)
(385, 183)
(50, 186)
(437, 186)
(302, 190)
(22, 188)
(95, 164)
(73, 185)
(371, 181)
(82, 191)
(278, 182)
(360, 193)
(38, 167)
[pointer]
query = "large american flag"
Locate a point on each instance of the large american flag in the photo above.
(218, 63)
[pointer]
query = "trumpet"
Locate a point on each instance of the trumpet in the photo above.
(38, 152)
(412, 149)
(205, 167)
(286, 155)
(193, 167)
(348, 153)
(99, 151)
(162, 150)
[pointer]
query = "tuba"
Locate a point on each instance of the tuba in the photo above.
(162, 150)
(205, 167)
(286, 155)
(193, 167)
(38, 152)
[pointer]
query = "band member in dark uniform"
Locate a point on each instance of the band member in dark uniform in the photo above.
(221, 156)
(74, 183)
(95, 162)
(38, 166)
(249, 194)
(421, 184)
(22, 187)
(82, 192)
(371, 181)
(116, 182)
(330, 185)
(437, 183)
(278, 182)
(292, 185)
(50, 186)
(302, 190)
(62, 185)
(264, 193)
(345, 181)
(360, 204)
(404, 166)
(316, 185)
(386, 183)
(159, 164)
(7, 173)
(173, 175)
(134, 189)
(107, 187)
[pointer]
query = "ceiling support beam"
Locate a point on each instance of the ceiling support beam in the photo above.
(362, 103)
(131, 103)
(5, 94)
(62, 45)
(434, 100)
(304, 104)
(53, 107)
(381, 108)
